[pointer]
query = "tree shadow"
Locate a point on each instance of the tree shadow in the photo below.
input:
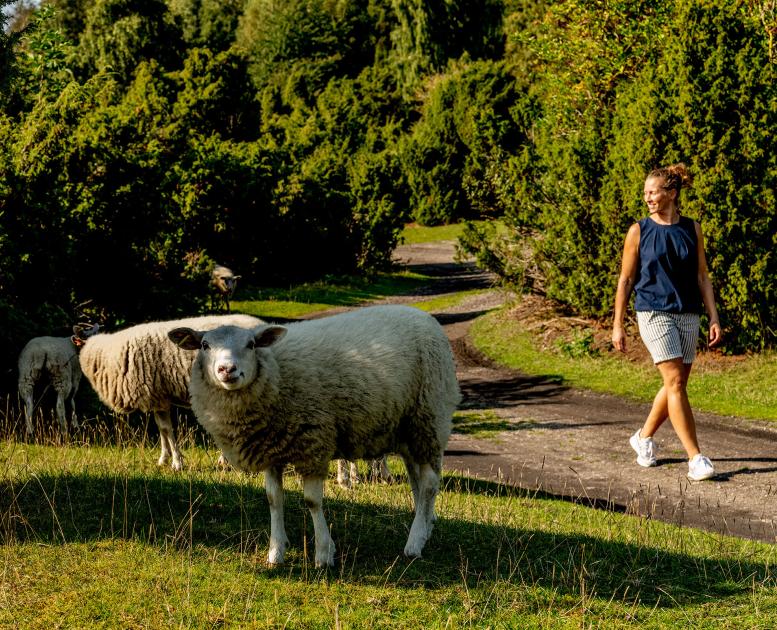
(166, 511)
(509, 390)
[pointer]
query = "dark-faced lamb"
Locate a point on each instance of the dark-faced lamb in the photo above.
(224, 283)
(138, 369)
(57, 358)
(356, 385)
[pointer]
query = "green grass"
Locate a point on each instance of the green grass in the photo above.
(415, 233)
(97, 537)
(304, 299)
(745, 389)
(299, 301)
(484, 424)
(447, 301)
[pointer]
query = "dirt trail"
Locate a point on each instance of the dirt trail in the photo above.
(573, 444)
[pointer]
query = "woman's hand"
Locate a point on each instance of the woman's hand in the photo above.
(716, 334)
(619, 338)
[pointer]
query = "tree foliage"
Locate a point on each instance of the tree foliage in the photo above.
(141, 141)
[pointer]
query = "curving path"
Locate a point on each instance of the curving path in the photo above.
(573, 444)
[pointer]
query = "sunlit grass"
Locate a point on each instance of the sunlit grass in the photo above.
(97, 536)
(744, 389)
(414, 233)
(447, 301)
(298, 301)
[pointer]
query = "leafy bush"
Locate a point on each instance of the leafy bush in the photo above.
(621, 92)
(469, 125)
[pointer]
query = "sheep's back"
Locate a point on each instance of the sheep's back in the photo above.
(50, 353)
(370, 369)
(139, 368)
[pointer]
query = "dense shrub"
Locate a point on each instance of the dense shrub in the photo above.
(620, 92)
(470, 122)
(143, 140)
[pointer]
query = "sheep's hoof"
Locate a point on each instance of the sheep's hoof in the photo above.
(344, 483)
(177, 465)
(275, 556)
(413, 548)
(326, 561)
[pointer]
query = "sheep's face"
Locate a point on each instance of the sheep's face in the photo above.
(228, 354)
(224, 280)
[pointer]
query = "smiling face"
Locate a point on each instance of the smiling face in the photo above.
(657, 197)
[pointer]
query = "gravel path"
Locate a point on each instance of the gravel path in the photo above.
(573, 444)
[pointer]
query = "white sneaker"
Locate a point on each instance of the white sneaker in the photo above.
(700, 468)
(645, 448)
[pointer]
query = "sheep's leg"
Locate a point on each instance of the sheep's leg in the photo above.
(73, 392)
(347, 473)
(413, 474)
(61, 417)
(273, 483)
(379, 470)
(421, 529)
(313, 491)
(343, 476)
(73, 416)
(26, 392)
(167, 440)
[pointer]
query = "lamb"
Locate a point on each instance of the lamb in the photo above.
(58, 358)
(137, 369)
(225, 283)
(355, 385)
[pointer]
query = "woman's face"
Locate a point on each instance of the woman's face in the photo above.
(657, 198)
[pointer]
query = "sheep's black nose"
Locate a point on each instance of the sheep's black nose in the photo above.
(226, 369)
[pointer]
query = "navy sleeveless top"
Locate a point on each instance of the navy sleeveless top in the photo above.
(668, 268)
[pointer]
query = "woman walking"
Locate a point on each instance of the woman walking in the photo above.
(665, 265)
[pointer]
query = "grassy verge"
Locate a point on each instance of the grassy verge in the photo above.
(98, 537)
(415, 233)
(309, 298)
(743, 389)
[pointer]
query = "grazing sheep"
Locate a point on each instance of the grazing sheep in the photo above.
(225, 283)
(355, 385)
(137, 369)
(57, 357)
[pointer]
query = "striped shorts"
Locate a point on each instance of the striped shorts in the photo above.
(669, 335)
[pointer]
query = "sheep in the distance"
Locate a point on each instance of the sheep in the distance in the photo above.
(356, 385)
(138, 369)
(56, 357)
(224, 283)
(348, 472)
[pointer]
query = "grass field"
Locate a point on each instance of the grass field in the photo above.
(95, 536)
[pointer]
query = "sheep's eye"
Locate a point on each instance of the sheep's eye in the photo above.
(205, 345)
(251, 345)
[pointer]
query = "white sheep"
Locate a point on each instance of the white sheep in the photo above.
(58, 358)
(138, 369)
(225, 283)
(355, 385)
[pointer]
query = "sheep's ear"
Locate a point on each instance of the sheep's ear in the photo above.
(268, 336)
(84, 331)
(186, 338)
(236, 277)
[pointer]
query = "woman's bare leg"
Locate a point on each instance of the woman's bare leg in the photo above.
(659, 413)
(672, 401)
